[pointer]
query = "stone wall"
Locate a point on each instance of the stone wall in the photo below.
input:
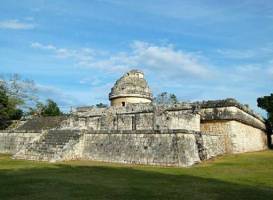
(231, 113)
(239, 137)
(221, 127)
(38, 124)
(245, 138)
(243, 129)
(137, 117)
(214, 144)
(167, 148)
(12, 142)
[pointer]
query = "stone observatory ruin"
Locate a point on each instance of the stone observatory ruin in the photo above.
(130, 88)
(137, 131)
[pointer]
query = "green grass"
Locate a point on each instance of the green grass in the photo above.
(243, 176)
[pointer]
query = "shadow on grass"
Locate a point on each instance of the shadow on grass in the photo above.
(96, 182)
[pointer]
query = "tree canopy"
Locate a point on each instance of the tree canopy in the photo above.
(17, 96)
(21, 92)
(101, 105)
(50, 108)
(266, 103)
(165, 98)
(8, 108)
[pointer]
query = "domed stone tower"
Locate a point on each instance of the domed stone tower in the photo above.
(130, 88)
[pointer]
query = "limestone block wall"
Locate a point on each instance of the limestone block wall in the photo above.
(245, 138)
(132, 117)
(214, 144)
(222, 127)
(239, 137)
(231, 113)
(242, 131)
(12, 142)
(167, 148)
(73, 150)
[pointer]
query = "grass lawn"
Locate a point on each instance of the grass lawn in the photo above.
(243, 176)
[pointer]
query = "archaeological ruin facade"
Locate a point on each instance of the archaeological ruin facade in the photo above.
(137, 131)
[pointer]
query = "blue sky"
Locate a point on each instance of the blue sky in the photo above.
(199, 50)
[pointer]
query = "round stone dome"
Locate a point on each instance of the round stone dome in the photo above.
(130, 88)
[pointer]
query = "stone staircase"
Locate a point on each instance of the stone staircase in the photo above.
(51, 146)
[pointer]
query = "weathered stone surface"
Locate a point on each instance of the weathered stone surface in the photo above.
(238, 137)
(42, 123)
(231, 113)
(137, 117)
(165, 147)
(214, 144)
(130, 88)
(227, 103)
(140, 133)
(50, 146)
(170, 148)
(11, 142)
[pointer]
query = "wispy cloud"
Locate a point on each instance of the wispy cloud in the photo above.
(16, 25)
(65, 99)
(236, 54)
(81, 55)
(167, 59)
(188, 74)
(247, 53)
(162, 58)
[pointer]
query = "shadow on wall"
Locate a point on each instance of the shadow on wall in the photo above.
(96, 182)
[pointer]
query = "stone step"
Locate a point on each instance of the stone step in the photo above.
(50, 146)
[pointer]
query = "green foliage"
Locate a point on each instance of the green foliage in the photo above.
(4, 116)
(266, 103)
(16, 114)
(8, 109)
(241, 176)
(49, 109)
(165, 98)
(101, 105)
(22, 93)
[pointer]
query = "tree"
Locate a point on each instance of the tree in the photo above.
(266, 103)
(37, 110)
(4, 117)
(22, 93)
(101, 105)
(8, 110)
(50, 109)
(165, 98)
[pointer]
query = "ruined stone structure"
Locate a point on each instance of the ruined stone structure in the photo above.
(130, 88)
(137, 131)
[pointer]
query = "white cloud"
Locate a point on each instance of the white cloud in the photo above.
(247, 53)
(169, 60)
(146, 56)
(236, 54)
(79, 55)
(187, 74)
(16, 25)
(65, 99)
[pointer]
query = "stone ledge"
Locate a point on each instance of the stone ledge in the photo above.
(166, 131)
(134, 109)
(20, 131)
(228, 103)
(227, 114)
